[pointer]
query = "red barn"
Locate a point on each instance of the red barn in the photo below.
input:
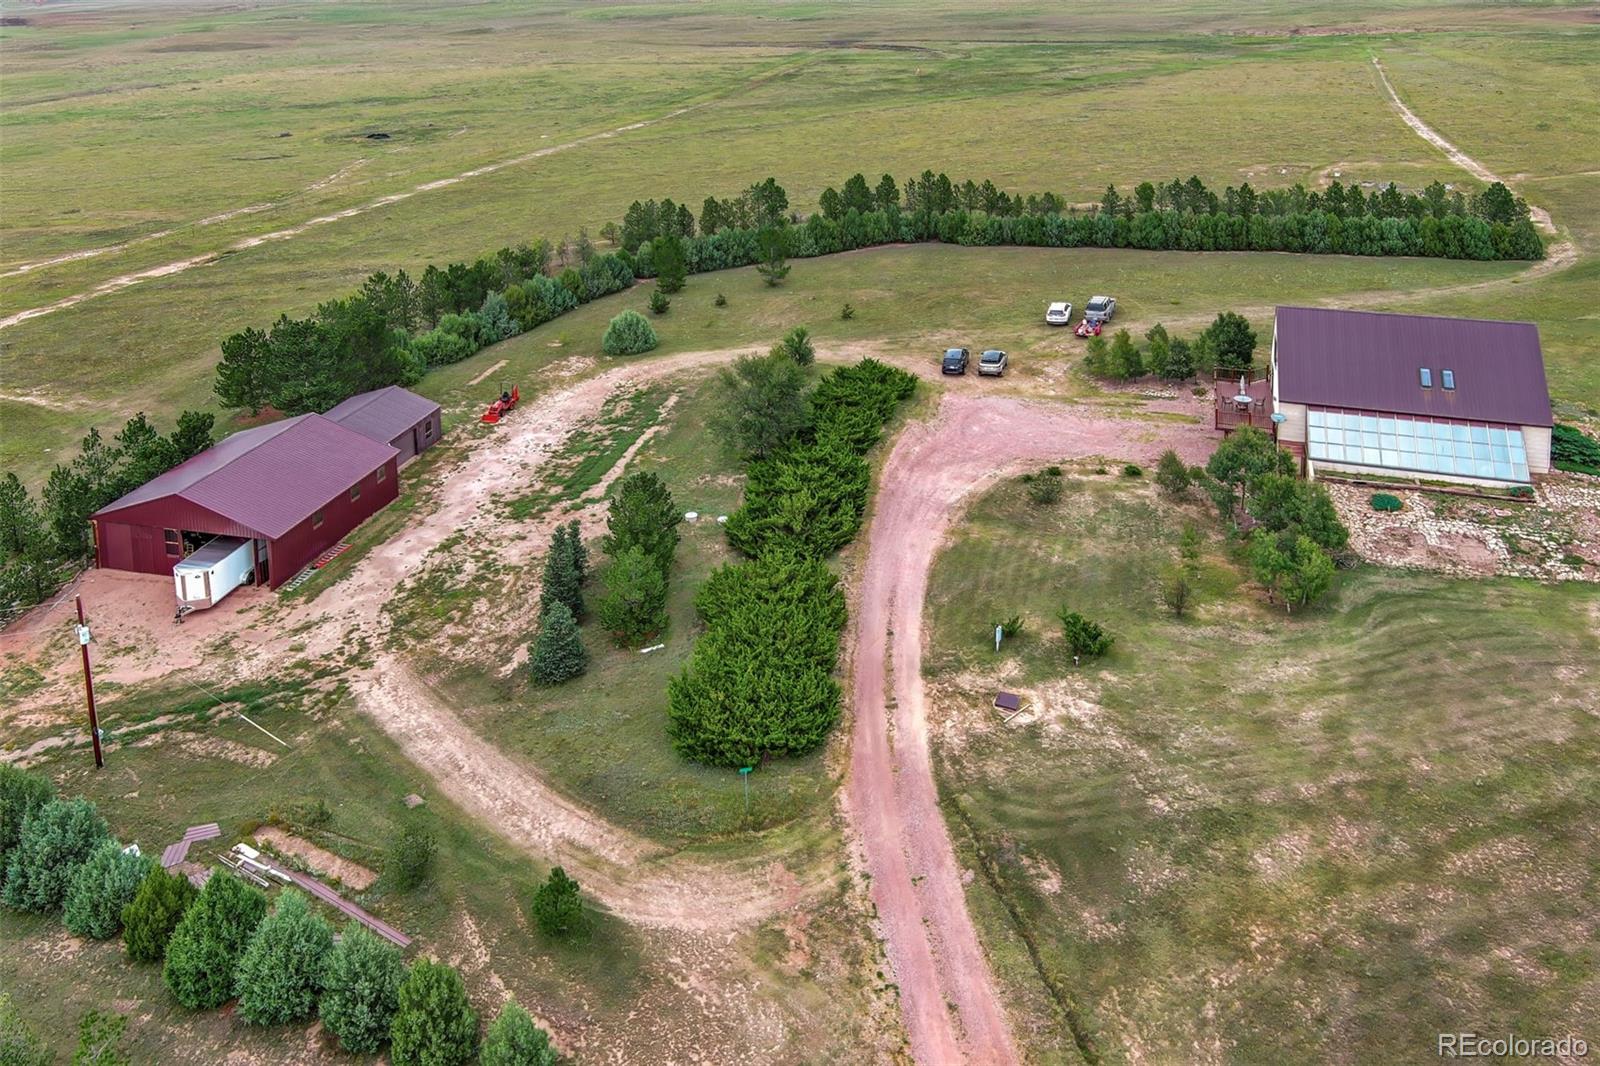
(295, 487)
(392, 416)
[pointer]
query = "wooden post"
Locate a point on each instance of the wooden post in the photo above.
(88, 687)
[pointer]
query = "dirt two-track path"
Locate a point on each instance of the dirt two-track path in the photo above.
(952, 1009)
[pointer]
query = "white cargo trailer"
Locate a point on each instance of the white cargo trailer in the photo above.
(220, 565)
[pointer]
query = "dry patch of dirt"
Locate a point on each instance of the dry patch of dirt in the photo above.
(1556, 538)
(212, 747)
(319, 861)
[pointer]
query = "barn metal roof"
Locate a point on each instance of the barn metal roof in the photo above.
(383, 414)
(1370, 361)
(271, 478)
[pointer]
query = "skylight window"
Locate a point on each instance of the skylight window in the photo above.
(1448, 378)
(1427, 377)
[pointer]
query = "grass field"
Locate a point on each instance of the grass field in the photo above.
(1242, 837)
(1252, 837)
(1065, 101)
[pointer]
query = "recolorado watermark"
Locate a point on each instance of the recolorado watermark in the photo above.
(1478, 1046)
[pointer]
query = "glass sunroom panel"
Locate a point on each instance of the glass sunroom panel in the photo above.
(1316, 434)
(1480, 434)
(1314, 418)
(1369, 424)
(1519, 471)
(1497, 437)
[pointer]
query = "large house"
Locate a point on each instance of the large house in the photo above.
(295, 487)
(1438, 399)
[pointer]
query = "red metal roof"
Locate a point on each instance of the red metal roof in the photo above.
(383, 414)
(268, 479)
(1371, 362)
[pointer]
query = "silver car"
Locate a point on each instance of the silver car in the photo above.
(1058, 313)
(1100, 308)
(992, 363)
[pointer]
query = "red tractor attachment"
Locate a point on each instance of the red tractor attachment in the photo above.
(505, 403)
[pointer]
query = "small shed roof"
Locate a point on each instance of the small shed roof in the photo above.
(268, 479)
(383, 414)
(1369, 361)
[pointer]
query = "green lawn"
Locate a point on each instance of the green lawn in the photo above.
(1279, 838)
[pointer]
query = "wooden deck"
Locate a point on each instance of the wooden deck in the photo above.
(1230, 412)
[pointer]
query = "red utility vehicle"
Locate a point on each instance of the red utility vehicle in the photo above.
(505, 403)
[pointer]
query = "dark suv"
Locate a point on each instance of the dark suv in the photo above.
(955, 360)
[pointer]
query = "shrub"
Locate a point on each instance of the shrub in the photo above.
(557, 654)
(1572, 449)
(635, 603)
(1189, 548)
(361, 989)
(99, 1040)
(1045, 491)
(1085, 638)
(1522, 492)
(21, 793)
(721, 300)
(434, 1024)
(56, 840)
(280, 973)
(1176, 591)
(557, 906)
(628, 334)
(19, 1044)
(658, 304)
(1171, 474)
(101, 888)
(846, 313)
(1051, 471)
(796, 345)
(1008, 627)
(409, 861)
(206, 946)
(761, 680)
(809, 499)
(150, 917)
(1382, 501)
(514, 1040)
(1132, 470)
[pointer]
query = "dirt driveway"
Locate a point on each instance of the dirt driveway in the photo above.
(952, 1010)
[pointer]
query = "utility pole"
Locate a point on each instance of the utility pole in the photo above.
(88, 688)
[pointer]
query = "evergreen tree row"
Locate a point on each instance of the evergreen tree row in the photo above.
(225, 941)
(760, 681)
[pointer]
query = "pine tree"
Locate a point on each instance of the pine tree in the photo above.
(563, 572)
(280, 972)
(154, 912)
(557, 654)
(514, 1040)
(434, 1025)
(558, 906)
(1123, 359)
(635, 604)
(101, 888)
(361, 990)
(205, 947)
(642, 515)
